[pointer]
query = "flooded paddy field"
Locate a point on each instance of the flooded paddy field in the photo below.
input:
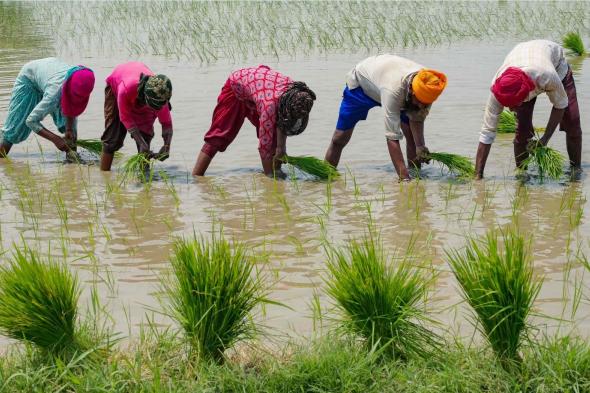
(119, 237)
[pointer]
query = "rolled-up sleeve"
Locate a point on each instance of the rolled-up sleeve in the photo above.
(490, 121)
(165, 117)
(46, 106)
(390, 101)
(553, 86)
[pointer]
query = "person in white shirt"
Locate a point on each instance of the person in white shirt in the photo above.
(532, 68)
(406, 91)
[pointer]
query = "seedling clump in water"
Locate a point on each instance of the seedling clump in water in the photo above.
(549, 162)
(313, 166)
(460, 165)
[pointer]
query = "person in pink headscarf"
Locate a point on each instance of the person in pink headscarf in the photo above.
(47, 87)
(532, 68)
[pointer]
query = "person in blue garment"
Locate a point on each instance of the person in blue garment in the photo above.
(47, 87)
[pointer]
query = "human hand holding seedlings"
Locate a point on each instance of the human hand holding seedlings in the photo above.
(417, 129)
(280, 153)
(164, 152)
(534, 143)
(57, 140)
(554, 119)
(422, 154)
(143, 146)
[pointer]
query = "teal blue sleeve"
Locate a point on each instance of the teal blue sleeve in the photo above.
(48, 104)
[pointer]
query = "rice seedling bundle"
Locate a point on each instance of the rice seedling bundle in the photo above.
(573, 42)
(549, 162)
(138, 166)
(378, 302)
(497, 282)
(313, 166)
(39, 302)
(456, 163)
(212, 292)
(506, 122)
(94, 146)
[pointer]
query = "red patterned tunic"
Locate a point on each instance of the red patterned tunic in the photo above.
(261, 87)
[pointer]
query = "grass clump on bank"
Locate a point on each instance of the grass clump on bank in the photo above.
(313, 166)
(39, 302)
(573, 42)
(548, 161)
(455, 163)
(212, 293)
(497, 282)
(328, 364)
(380, 300)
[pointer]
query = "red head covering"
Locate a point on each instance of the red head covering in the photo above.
(76, 91)
(512, 87)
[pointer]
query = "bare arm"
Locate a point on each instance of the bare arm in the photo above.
(554, 120)
(483, 150)
(273, 166)
(164, 152)
(397, 158)
(57, 140)
(417, 129)
(70, 135)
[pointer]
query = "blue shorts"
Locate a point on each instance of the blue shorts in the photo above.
(355, 107)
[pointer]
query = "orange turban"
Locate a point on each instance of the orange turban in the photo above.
(428, 84)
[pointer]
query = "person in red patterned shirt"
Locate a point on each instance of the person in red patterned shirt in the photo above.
(276, 105)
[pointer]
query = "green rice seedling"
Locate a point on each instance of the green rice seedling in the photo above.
(497, 282)
(212, 293)
(457, 164)
(573, 42)
(506, 122)
(94, 146)
(549, 162)
(379, 300)
(137, 167)
(313, 166)
(39, 302)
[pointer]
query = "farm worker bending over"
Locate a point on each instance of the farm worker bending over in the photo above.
(134, 98)
(47, 87)
(276, 105)
(406, 91)
(532, 68)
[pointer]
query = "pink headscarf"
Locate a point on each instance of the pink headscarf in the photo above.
(76, 91)
(512, 87)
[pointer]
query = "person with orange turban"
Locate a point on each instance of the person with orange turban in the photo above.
(405, 90)
(532, 68)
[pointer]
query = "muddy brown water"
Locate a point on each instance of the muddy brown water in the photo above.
(125, 234)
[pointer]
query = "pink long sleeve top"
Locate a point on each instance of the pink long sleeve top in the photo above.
(123, 81)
